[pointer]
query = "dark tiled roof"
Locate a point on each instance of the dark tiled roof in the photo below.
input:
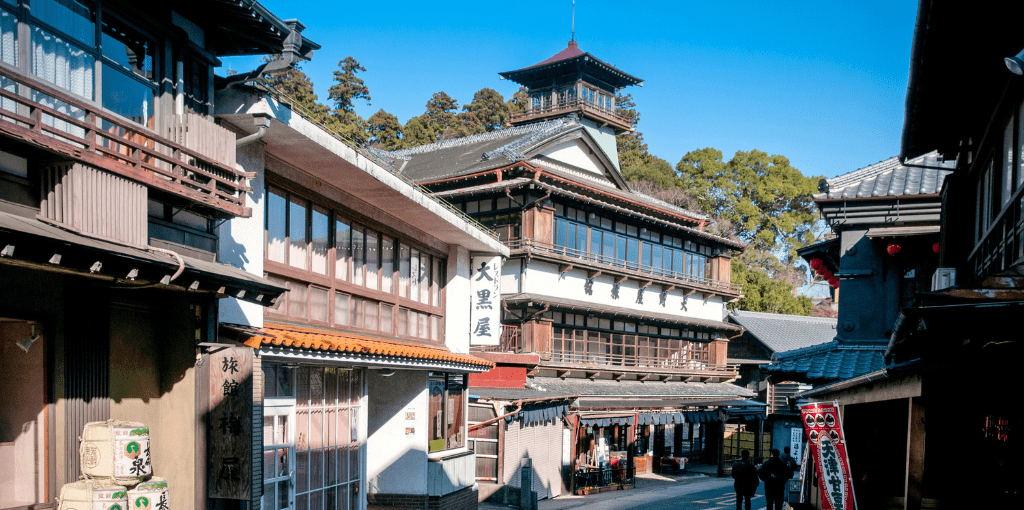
(890, 178)
(782, 333)
(830, 361)
(541, 387)
(572, 50)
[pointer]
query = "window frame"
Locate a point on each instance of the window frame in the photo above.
(447, 380)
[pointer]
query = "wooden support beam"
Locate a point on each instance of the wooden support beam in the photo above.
(563, 373)
(668, 288)
(563, 268)
(533, 371)
(618, 375)
(708, 296)
(594, 273)
(645, 283)
(620, 279)
(691, 292)
(664, 377)
(592, 374)
(646, 377)
(690, 378)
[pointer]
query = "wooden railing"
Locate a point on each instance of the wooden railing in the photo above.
(509, 341)
(85, 132)
(583, 347)
(1002, 244)
(641, 271)
(579, 105)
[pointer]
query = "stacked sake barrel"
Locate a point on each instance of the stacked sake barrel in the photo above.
(117, 470)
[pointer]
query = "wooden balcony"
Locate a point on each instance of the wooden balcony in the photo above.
(602, 116)
(509, 341)
(572, 257)
(608, 351)
(82, 131)
(1002, 244)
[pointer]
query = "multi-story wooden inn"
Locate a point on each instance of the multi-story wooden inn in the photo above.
(609, 295)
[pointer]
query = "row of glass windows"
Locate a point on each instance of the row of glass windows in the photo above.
(1003, 175)
(310, 302)
(67, 38)
(592, 95)
(576, 319)
(303, 235)
(492, 204)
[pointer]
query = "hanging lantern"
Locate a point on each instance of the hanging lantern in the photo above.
(815, 263)
(826, 275)
(935, 247)
(893, 249)
(834, 281)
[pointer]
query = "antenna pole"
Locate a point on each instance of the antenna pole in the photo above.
(573, 20)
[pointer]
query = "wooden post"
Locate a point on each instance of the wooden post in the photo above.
(759, 444)
(526, 485)
(721, 448)
(915, 454)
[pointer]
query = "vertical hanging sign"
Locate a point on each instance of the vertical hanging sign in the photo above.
(229, 424)
(827, 446)
(485, 299)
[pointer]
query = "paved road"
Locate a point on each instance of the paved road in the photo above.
(663, 494)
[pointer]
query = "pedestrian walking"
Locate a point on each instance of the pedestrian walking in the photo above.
(746, 479)
(787, 459)
(775, 473)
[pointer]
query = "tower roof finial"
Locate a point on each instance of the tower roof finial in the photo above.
(573, 39)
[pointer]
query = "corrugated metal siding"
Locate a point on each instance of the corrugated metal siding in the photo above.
(450, 475)
(542, 443)
(95, 202)
(87, 377)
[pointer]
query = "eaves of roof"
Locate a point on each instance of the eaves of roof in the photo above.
(617, 310)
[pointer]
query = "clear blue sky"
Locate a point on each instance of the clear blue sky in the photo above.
(822, 83)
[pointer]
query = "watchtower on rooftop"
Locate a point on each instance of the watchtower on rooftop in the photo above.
(573, 81)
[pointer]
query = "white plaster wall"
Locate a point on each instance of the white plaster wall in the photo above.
(605, 137)
(457, 300)
(543, 278)
(240, 240)
(396, 463)
(576, 154)
(511, 271)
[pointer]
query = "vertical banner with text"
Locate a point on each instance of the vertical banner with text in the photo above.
(229, 425)
(485, 299)
(827, 446)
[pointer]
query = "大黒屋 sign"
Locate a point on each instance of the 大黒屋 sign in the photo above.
(485, 308)
(827, 446)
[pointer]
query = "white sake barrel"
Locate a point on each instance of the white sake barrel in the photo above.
(149, 495)
(92, 495)
(116, 449)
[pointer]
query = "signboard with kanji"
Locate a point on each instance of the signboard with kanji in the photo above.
(229, 424)
(827, 446)
(485, 310)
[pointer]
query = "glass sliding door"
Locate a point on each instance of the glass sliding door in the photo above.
(278, 453)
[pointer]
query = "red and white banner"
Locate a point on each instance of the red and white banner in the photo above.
(827, 446)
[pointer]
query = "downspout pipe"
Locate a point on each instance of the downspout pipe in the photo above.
(291, 54)
(263, 121)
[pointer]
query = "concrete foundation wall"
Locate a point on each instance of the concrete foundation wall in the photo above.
(543, 278)
(396, 462)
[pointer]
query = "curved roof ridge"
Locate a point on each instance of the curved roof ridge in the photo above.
(786, 316)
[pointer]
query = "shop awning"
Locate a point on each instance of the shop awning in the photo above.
(589, 306)
(540, 413)
(31, 243)
(662, 418)
(303, 343)
(605, 421)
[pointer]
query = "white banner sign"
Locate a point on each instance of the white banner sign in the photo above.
(485, 299)
(796, 442)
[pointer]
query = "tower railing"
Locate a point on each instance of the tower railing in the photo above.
(578, 105)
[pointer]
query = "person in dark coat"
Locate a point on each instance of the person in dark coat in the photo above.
(775, 473)
(787, 459)
(746, 479)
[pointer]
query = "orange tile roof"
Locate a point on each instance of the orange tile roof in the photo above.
(335, 341)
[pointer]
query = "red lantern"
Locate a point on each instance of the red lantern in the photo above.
(893, 249)
(815, 263)
(834, 281)
(825, 275)
(935, 247)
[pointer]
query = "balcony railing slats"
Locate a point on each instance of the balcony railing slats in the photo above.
(578, 104)
(104, 140)
(535, 246)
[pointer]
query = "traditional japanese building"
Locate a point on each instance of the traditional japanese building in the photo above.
(361, 367)
(610, 297)
(113, 178)
(964, 105)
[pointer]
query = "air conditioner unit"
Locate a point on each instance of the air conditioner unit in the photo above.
(944, 278)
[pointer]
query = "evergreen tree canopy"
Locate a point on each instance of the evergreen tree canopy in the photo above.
(298, 88)
(347, 86)
(487, 112)
(385, 132)
(762, 293)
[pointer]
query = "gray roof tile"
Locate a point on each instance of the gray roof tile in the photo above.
(890, 179)
(539, 387)
(780, 333)
(831, 361)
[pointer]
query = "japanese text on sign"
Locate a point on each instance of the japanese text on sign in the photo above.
(827, 446)
(485, 301)
(229, 435)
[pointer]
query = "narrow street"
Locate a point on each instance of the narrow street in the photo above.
(655, 493)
